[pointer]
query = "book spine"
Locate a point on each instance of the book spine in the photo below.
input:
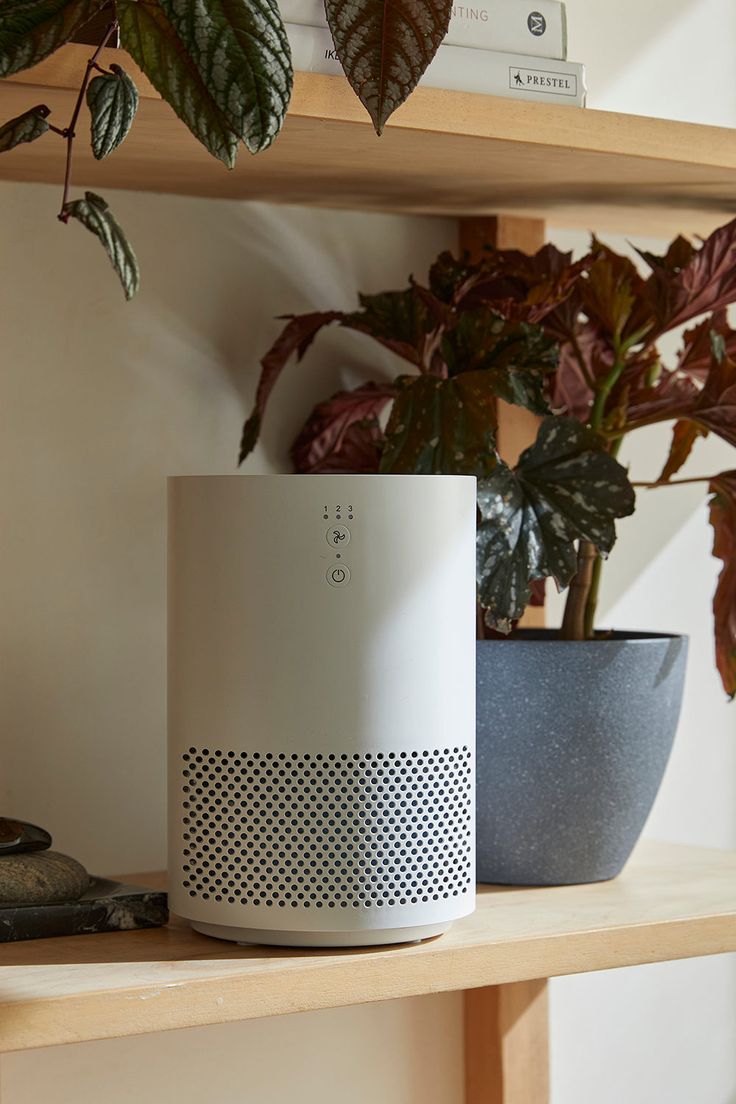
(460, 69)
(535, 28)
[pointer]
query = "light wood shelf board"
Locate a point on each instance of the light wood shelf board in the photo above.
(671, 902)
(443, 153)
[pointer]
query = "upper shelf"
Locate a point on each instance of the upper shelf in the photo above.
(448, 153)
(670, 902)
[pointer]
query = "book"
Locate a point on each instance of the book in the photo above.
(535, 28)
(461, 69)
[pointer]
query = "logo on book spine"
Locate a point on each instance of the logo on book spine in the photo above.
(537, 24)
(542, 80)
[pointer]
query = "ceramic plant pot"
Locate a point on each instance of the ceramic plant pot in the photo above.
(573, 741)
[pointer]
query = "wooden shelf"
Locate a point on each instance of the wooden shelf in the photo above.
(671, 902)
(446, 153)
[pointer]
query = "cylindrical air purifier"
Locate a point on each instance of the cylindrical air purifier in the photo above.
(321, 706)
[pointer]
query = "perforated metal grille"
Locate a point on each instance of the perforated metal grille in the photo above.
(327, 831)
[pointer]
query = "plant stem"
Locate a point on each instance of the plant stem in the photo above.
(581, 362)
(578, 622)
(677, 482)
(69, 132)
(480, 622)
(573, 623)
(591, 602)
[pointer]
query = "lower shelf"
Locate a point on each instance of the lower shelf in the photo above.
(671, 902)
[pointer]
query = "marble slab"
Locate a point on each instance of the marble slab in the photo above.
(105, 907)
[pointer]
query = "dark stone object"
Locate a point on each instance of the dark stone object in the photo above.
(105, 907)
(17, 837)
(43, 878)
(573, 741)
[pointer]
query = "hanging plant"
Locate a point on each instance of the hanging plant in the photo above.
(224, 66)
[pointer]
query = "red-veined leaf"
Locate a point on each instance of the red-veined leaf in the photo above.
(684, 436)
(384, 46)
(723, 520)
(296, 337)
(343, 433)
(706, 283)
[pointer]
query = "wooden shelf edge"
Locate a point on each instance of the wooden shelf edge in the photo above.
(172, 1004)
(463, 114)
(671, 903)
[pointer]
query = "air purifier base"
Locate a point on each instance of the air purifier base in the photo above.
(369, 938)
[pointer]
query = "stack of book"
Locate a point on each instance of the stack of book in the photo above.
(514, 48)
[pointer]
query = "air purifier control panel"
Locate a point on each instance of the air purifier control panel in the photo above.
(338, 537)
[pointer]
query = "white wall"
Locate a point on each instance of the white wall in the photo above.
(667, 58)
(100, 400)
(395, 1052)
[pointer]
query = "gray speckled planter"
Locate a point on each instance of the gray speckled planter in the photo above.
(573, 741)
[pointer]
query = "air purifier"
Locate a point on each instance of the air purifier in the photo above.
(321, 706)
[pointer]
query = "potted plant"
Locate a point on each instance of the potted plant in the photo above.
(574, 727)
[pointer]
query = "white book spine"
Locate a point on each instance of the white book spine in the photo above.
(460, 69)
(536, 28)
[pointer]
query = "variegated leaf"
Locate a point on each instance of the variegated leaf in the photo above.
(384, 46)
(565, 488)
(30, 30)
(516, 357)
(223, 65)
(94, 213)
(26, 128)
(148, 36)
(442, 426)
(112, 99)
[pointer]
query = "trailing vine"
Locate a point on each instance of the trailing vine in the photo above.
(224, 67)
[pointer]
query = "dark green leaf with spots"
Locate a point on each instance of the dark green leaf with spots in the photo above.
(112, 99)
(94, 213)
(517, 357)
(565, 488)
(442, 426)
(26, 128)
(400, 320)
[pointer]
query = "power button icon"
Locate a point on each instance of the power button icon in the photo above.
(338, 575)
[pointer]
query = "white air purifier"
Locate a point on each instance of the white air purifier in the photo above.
(322, 706)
